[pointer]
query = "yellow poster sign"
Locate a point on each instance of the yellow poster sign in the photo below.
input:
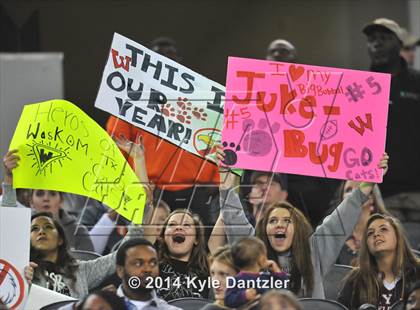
(63, 149)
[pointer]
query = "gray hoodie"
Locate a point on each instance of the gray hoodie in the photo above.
(76, 234)
(326, 242)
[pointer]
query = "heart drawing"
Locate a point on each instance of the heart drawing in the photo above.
(296, 72)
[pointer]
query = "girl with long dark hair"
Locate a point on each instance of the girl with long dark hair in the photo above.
(349, 254)
(182, 256)
(387, 266)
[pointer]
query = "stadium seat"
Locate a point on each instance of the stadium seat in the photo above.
(333, 280)
(320, 304)
(116, 246)
(57, 305)
(189, 303)
(399, 305)
(85, 255)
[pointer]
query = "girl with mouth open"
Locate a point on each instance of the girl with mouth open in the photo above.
(183, 256)
(387, 266)
(181, 244)
(306, 255)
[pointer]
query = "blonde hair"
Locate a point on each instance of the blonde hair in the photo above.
(288, 295)
(224, 256)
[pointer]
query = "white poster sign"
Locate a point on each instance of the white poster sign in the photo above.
(40, 297)
(161, 96)
(14, 255)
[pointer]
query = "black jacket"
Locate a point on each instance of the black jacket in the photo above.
(350, 293)
(403, 133)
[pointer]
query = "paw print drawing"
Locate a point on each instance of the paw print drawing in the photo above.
(230, 153)
(184, 104)
(183, 113)
(183, 117)
(258, 142)
(182, 110)
(168, 110)
(199, 114)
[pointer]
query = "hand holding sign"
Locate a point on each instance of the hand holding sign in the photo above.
(367, 187)
(228, 178)
(29, 272)
(383, 163)
(10, 161)
(137, 152)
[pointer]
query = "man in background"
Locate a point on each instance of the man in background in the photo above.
(410, 43)
(401, 186)
(281, 50)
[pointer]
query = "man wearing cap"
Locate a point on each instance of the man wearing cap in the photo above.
(401, 186)
(281, 50)
(410, 42)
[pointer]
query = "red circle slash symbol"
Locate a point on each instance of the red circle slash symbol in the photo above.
(12, 287)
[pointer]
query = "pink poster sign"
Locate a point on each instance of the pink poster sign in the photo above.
(303, 119)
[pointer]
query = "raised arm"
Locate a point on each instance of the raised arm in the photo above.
(100, 233)
(97, 270)
(235, 224)
(329, 237)
(10, 161)
(218, 236)
(136, 151)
